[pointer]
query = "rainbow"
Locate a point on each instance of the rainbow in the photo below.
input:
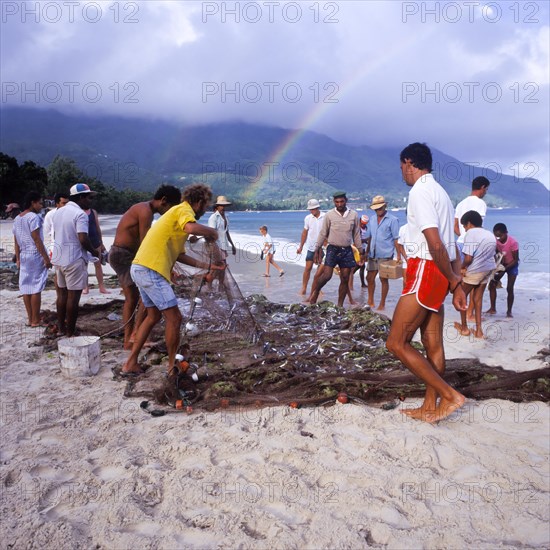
(318, 111)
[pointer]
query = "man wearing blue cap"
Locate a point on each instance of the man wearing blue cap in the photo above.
(70, 227)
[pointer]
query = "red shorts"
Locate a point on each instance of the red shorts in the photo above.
(426, 281)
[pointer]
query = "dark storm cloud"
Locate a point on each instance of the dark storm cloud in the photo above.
(470, 78)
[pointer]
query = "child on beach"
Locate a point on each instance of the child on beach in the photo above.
(479, 247)
(268, 251)
(510, 248)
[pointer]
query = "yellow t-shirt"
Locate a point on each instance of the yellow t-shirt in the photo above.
(165, 240)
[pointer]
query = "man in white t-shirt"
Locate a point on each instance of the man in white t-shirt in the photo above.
(432, 270)
(69, 257)
(479, 251)
(480, 187)
(60, 200)
(312, 224)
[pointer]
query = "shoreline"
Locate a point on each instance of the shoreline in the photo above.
(83, 466)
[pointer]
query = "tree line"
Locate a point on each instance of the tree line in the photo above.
(16, 180)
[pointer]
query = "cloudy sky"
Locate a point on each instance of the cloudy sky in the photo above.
(469, 78)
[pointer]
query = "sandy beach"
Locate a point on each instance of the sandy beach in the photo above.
(83, 467)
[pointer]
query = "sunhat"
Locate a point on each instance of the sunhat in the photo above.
(222, 201)
(378, 202)
(312, 204)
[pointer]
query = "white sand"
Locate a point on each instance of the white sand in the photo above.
(82, 467)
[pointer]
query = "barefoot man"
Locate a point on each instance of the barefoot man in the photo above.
(130, 232)
(163, 246)
(433, 269)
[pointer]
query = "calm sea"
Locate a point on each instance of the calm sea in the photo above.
(531, 228)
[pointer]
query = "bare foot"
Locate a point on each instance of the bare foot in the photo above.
(381, 307)
(419, 413)
(445, 409)
(509, 315)
(479, 334)
(470, 318)
(104, 291)
(370, 304)
(86, 291)
(464, 331)
(491, 312)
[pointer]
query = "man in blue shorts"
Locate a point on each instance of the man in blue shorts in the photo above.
(161, 248)
(340, 229)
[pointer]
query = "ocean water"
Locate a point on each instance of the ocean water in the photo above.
(531, 228)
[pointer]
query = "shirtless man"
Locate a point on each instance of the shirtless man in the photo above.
(433, 270)
(130, 232)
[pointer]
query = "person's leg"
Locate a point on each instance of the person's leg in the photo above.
(274, 264)
(362, 276)
(470, 311)
(305, 277)
(477, 299)
(73, 299)
(99, 277)
(61, 307)
(319, 282)
(28, 308)
(267, 264)
(371, 276)
(510, 291)
(152, 318)
(172, 321)
(36, 300)
(409, 315)
(140, 316)
(385, 288)
(343, 289)
(131, 296)
(493, 295)
(462, 327)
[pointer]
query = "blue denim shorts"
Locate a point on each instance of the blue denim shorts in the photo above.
(310, 254)
(154, 289)
(341, 256)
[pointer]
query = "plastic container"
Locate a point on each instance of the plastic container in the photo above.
(80, 356)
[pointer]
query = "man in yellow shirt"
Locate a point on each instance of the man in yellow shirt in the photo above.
(162, 247)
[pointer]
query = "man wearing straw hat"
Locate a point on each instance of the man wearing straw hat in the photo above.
(384, 232)
(312, 225)
(218, 221)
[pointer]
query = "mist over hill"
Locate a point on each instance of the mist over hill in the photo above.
(238, 160)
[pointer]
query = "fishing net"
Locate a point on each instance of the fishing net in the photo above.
(211, 300)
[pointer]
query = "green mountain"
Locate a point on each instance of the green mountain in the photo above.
(238, 160)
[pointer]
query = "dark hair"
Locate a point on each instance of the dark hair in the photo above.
(30, 197)
(419, 154)
(479, 182)
(197, 193)
(264, 227)
(58, 196)
(472, 217)
(500, 227)
(170, 193)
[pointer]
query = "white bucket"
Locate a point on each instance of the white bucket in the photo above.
(79, 356)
